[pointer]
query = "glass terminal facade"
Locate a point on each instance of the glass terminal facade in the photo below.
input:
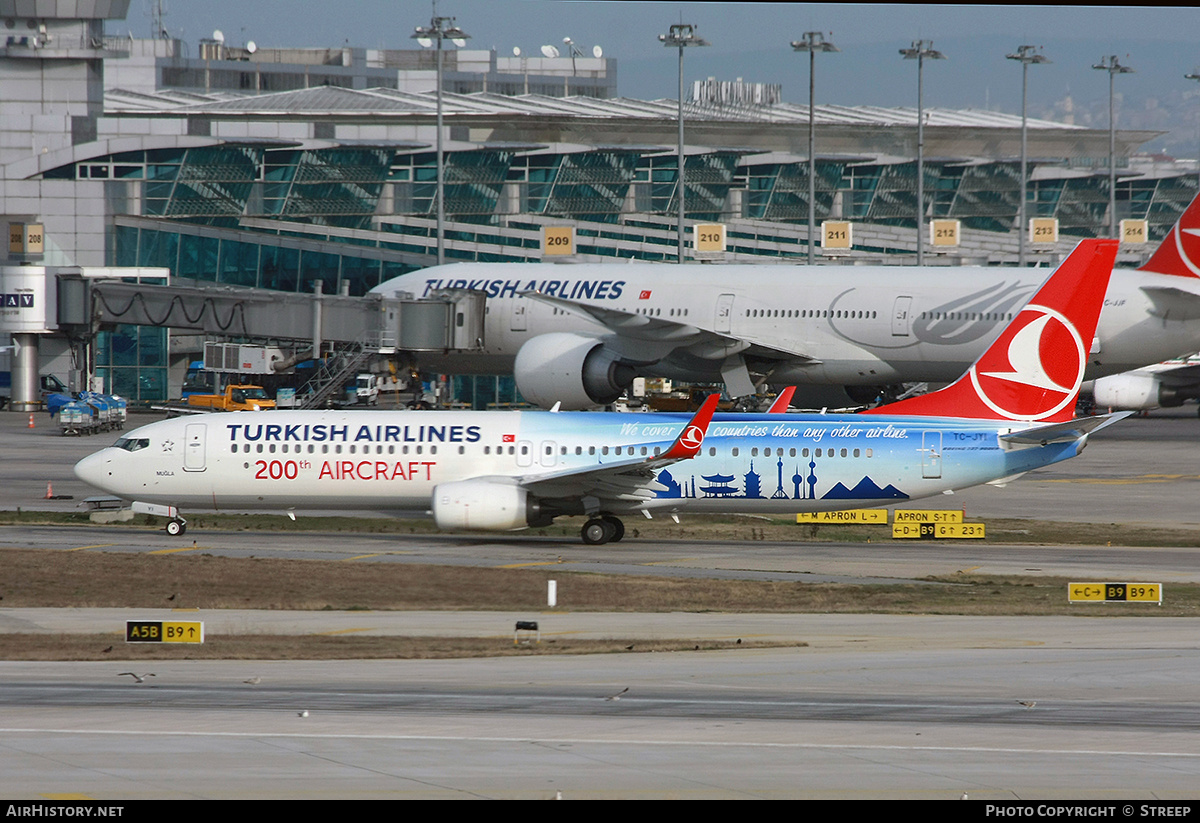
(351, 217)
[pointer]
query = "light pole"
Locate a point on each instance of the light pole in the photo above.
(681, 36)
(813, 42)
(439, 29)
(1027, 55)
(920, 50)
(1110, 65)
(1195, 75)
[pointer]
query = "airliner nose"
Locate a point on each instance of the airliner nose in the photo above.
(94, 471)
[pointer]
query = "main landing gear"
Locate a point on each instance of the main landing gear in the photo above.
(603, 529)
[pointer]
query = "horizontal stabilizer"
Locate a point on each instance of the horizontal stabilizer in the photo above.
(1173, 304)
(1059, 432)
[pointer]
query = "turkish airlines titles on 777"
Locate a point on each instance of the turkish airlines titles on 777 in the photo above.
(1012, 412)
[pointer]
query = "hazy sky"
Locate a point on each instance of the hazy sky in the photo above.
(750, 40)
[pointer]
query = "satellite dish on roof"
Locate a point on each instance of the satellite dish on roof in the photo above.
(253, 47)
(218, 36)
(598, 52)
(517, 53)
(549, 51)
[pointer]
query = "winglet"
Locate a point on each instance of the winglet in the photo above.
(688, 444)
(1179, 252)
(1034, 369)
(780, 406)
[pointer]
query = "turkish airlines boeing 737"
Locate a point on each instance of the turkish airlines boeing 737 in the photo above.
(1012, 412)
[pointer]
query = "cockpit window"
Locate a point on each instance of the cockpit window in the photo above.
(132, 444)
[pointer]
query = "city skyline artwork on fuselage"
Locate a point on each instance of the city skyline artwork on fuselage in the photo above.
(802, 486)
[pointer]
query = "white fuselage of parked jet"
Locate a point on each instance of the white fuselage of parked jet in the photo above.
(805, 325)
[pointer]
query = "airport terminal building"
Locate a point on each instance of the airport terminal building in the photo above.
(278, 168)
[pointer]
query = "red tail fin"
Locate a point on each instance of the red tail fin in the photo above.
(1034, 369)
(782, 401)
(1179, 252)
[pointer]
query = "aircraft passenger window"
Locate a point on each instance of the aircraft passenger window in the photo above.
(856, 450)
(843, 450)
(353, 448)
(643, 447)
(792, 452)
(271, 448)
(404, 449)
(337, 449)
(311, 448)
(592, 449)
(604, 449)
(324, 448)
(563, 451)
(392, 449)
(656, 451)
(712, 451)
(618, 450)
(488, 449)
(512, 449)
(579, 449)
(235, 445)
(735, 449)
(869, 451)
(805, 452)
(550, 449)
(418, 447)
(753, 452)
(259, 448)
(818, 452)
(433, 449)
(463, 449)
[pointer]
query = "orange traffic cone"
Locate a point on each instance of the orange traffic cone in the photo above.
(49, 491)
(30, 422)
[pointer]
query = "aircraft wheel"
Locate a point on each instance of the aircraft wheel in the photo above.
(176, 527)
(618, 527)
(597, 531)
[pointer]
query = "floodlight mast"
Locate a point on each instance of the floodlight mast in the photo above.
(681, 36)
(1111, 65)
(1028, 55)
(813, 42)
(438, 30)
(920, 50)
(1195, 75)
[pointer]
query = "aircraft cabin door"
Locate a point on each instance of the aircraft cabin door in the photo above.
(193, 447)
(517, 318)
(931, 454)
(901, 321)
(724, 313)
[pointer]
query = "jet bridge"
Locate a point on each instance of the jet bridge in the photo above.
(76, 301)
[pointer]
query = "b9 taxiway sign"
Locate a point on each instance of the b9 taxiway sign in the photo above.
(164, 631)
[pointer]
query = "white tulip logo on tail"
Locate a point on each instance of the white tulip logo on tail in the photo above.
(1038, 372)
(692, 438)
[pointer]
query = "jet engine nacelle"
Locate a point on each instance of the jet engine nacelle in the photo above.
(574, 369)
(1134, 391)
(491, 505)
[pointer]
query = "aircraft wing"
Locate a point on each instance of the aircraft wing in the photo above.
(625, 479)
(1177, 375)
(705, 343)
